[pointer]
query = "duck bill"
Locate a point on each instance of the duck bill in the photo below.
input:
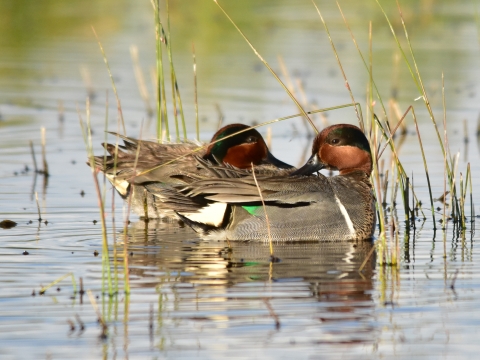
(270, 159)
(313, 165)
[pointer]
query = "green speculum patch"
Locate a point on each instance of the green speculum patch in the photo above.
(251, 209)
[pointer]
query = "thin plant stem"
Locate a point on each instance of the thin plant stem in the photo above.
(125, 228)
(32, 151)
(119, 107)
(44, 154)
(360, 119)
(173, 79)
(472, 208)
(363, 59)
(140, 78)
(270, 241)
(432, 206)
(53, 283)
(304, 113)
(161, 99)
(197, 123)
(175, 90)
(87, 137)
(38, 207)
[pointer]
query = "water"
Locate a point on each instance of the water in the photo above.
(192, 298)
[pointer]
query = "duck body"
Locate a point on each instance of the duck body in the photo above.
(226, 203)
(298, 207)
(131, 167)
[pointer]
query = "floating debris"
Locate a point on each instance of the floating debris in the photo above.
(7, 224)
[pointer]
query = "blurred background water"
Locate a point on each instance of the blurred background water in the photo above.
(190, 298)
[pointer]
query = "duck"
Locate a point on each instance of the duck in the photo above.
(301, 204)
(131, 166)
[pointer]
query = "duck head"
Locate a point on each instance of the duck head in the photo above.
(340, 147)
(242, 149)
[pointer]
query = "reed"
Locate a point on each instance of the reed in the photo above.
(162, 116)
(195, 90)
(119, 106)
(38, 207)
(55, 282)
(303, 112)
(32, 152)
(362, 57)
(176, 98)
(359, 117)
(45, 171)
(100, 317)
(87, 138)
(270, 241)
(432, 206)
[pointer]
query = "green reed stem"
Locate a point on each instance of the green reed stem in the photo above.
(472, 208)
(87, 138)
(303, 112)
(418, 82)
(426, 169)
(360, 120)
(462, 203)
(162, 115)
(173, 79)
(401, 171)
(140, 78)
(53, 283)
(176, 93)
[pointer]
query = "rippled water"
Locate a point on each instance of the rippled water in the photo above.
(193, 298)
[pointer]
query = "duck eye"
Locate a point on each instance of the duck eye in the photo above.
(251, 139)
(335, 141)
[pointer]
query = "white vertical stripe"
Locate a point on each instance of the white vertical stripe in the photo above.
(211, 214)
(346, 216)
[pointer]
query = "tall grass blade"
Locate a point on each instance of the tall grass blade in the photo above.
(197, 123)
(304, 113)
(363, 60)
(175, 90)
(87, 138)
(270, 241)
(161, 100)
(140, 78)
(432, 206)
(119, 106)
(360, 119)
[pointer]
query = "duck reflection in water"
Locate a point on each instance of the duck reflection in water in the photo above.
(205, 275)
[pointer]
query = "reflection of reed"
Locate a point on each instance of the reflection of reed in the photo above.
(205, 277)
(167, 246)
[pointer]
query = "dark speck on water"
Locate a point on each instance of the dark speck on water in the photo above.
(25, 252)
(7, 224)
